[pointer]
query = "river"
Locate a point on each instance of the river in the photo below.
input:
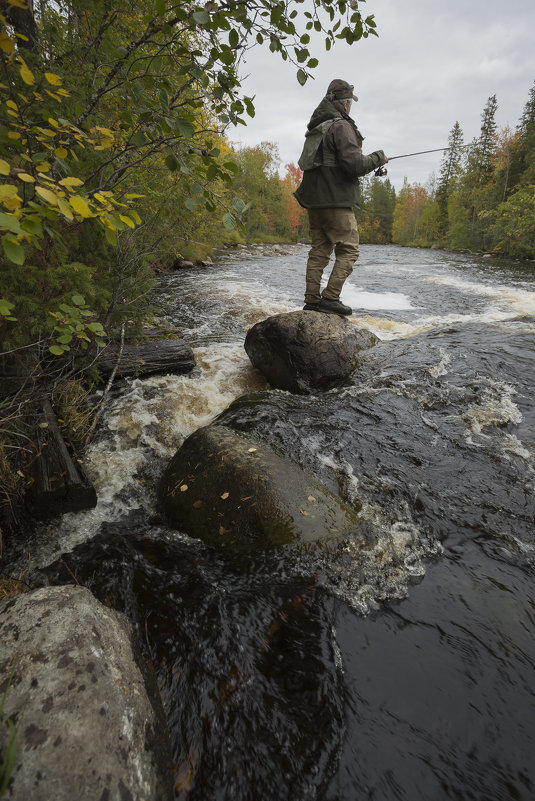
(396, 672)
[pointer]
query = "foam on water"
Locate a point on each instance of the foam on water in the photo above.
(149, 421)
(519, 301)
(358, 298)
(495, 408)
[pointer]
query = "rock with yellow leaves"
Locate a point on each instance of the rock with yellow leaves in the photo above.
(239, 495)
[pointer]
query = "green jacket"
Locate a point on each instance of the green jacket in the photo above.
(332, 160)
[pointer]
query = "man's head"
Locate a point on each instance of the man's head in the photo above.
(340, 94)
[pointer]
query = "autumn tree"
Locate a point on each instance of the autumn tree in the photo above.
(296, 214)
(410, 205)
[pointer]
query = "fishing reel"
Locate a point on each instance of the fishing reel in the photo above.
(380, 172)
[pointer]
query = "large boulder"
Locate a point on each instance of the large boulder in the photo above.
(238, 494)
(88, 718)
(148, 358)
(303, 351)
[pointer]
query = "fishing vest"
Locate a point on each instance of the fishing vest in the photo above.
(316, 152)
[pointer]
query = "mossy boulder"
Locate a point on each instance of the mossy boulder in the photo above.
(303, 351)
(239, 495)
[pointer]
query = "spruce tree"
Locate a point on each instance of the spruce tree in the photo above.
(450, 171)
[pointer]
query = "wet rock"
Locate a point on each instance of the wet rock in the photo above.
(148, 358)
(88, 716)
(303, 350)
(238, 494)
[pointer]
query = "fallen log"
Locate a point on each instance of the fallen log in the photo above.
(147, 358)
(59, 484)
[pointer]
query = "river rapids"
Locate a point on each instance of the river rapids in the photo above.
(396, 672)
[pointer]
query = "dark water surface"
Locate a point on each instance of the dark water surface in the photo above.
(399, 671)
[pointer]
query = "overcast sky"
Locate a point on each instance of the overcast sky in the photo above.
(435, 62)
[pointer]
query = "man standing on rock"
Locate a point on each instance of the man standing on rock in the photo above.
(332, 162)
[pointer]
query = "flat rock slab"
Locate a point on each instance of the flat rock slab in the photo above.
(303, 351)
(89, 721)
(240, 495)
(148, 358)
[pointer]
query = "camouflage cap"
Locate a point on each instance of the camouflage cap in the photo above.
(340, 90)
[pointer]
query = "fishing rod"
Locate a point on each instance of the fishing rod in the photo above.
(381, 171)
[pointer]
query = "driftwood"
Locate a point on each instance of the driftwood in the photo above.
(158, 356)
(59, 484)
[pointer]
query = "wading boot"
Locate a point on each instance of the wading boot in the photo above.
(334, 307)
(311, 307)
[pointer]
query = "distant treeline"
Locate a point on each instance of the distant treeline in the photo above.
(482, 199)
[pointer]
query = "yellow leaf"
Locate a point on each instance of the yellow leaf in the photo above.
(61, 152)
(6, 43)
(53, 79)
(132, 195)
(135, 216)
(43, 166)
(25, 73)
(29, 179)
(7, 190)
(80, 206)
(12, 203)
(47, 195)
(63, 92)
(99, 197)
(183, 487)
(13, 135)
(127, 220)
(251, 450)
(12, 104)
(71, 181)
(197, 504)
(65, 210)
(53, 122)
(225, 496)
(4, 167)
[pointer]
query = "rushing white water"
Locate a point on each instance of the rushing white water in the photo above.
(214, 308)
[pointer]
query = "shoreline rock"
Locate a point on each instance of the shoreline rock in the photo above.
(89, 719)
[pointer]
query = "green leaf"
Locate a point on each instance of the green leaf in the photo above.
(184, 127)
(231, 166)
(78, 300)
(229, 221)
(201, 17)
(6, 307)
(9, 222)
(160, 7)
(171, 162)
(302, 77)
(13, 250)
(238, 204)
(57, 350)
(111, 237)
(233, 38)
